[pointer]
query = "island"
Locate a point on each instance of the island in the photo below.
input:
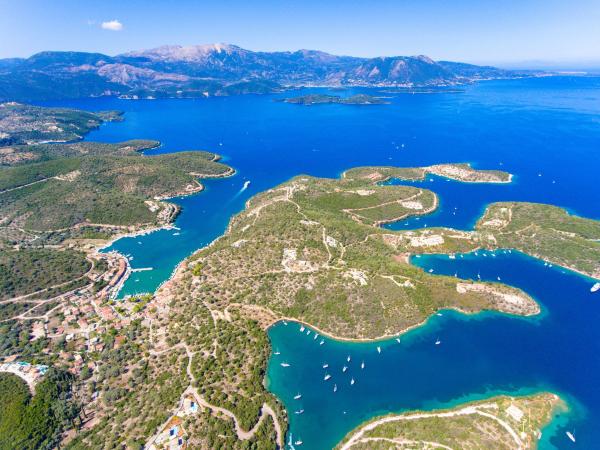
(320, 99)
(499, 422)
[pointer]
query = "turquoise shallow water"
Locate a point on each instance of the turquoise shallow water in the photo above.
(545, 131)
(479, 356)
(546, 127)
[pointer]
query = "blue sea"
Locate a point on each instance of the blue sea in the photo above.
(546, 131)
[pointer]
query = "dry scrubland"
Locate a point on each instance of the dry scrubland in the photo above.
(498, 423)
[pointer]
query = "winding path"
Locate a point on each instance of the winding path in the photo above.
(242, 434)
(357, 437)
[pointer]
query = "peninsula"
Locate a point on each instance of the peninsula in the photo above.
(498, 422)
(309, 250)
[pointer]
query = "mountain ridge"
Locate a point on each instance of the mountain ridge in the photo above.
(220, 69)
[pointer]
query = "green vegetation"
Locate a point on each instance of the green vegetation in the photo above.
(35, 422)
(459, 172)
(137, 391)
(499, 423)
(26, 154)
(26, 124)
(308, 249)
(319, 99)
(109, 189)
(30, 270)
(544, 231)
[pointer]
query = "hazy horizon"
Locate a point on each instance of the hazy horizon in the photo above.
(514, 33)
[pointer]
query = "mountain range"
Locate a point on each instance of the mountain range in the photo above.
(220, 69)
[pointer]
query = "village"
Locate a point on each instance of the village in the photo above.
(79, 320)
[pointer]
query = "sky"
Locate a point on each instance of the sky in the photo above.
(503, 32)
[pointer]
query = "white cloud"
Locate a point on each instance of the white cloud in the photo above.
(112, 25)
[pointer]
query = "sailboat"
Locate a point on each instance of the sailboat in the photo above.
(438, 342)
(297, 396)
(344, 369)
(570, 436)
(327, 377)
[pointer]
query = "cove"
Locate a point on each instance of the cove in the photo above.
(541, 129)
(479, 356)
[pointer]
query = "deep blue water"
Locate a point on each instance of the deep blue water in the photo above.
(545, 131)
(547, 126)
(478, 356)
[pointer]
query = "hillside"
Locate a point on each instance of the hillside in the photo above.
(101, 189)
(219, 69)
(26, 124)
